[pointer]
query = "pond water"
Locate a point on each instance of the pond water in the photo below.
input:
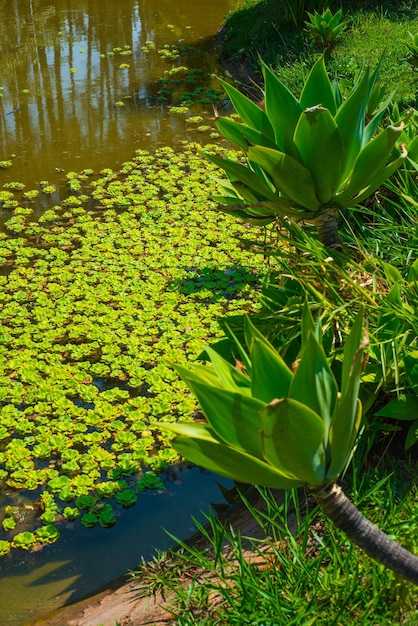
(80, 88)
(83, 560)
(80, 80)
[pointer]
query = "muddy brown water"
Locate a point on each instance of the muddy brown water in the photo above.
(61, 79)
(61, 88)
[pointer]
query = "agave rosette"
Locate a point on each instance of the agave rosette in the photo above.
(268, 424)
(304, 155)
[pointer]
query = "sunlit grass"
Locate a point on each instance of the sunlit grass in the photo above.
(304, 571)
(373, 34)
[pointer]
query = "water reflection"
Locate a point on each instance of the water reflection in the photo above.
(61, 77)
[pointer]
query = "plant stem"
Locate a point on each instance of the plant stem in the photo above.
(364, 534)
(327, 227)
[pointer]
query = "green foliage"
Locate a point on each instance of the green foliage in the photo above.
(97, 300)
(306, 157)
(295, 10)
(412, 45)
(326, 27)
(404, 407)
(24, 540)
(270, 425)
(47, 534)
(150, 481)
(126, 498)
(322, 578)
(247, 36)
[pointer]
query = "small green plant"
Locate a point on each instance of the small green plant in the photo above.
(326, 27)
(412, 44)
(126, 498)
(47, 534)
(24, 541)
(149, 481)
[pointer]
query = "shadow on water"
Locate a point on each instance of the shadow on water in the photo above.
(218, 283)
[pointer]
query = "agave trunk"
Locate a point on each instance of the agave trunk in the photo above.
(363, 533)
(327, 227)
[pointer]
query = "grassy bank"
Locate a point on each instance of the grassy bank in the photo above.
(374, 32)
(304, 571)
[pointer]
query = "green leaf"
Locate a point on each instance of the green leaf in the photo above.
(413, 149)
(403, 408)
(198, 372)
(411, 369)
(382, 175)
(352, 359)
(283, 111)
(227, 374)
(293, 440)
(241, 134)
(371, 161)
(307, 324)
(374, 122)
(245, 193)
(343, 431)
(392, 274)
(336, 93)
(389, 323)
(313, 383)
(350, 119)
(24, 540)
(413, 272)
(271, 377)
(196, 443)
(347, 416)
(318, 89)
(412, 435)
(251, 113)
(291, 178)
(243, 174)
(250, 214)
(235, 418)
(321, 149)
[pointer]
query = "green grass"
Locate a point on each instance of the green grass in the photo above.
(306, 573)
(374, 32)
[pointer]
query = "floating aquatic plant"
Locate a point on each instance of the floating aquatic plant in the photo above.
(98, 299)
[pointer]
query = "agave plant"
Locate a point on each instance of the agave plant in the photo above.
(307, 158)
(326, 27)
(281, 428)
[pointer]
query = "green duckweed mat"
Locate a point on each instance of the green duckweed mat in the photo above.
(98, 297)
